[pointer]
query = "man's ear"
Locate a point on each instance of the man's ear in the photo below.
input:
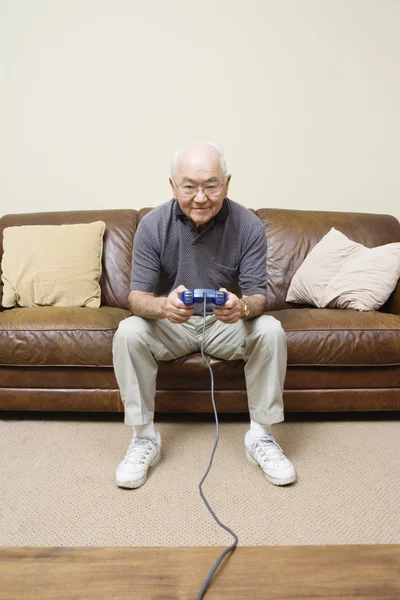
(227, 182)
(173, 187)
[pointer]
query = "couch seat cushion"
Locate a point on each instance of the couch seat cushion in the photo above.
(58, 336)
(335, 337)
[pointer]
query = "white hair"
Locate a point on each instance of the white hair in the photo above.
(178, 153)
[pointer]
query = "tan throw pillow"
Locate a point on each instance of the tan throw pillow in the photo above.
(52, 265)
(339, 273)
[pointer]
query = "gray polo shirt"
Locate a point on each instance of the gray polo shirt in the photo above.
(169, 251)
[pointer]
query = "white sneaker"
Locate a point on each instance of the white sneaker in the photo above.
(141, 454)
(267, 453)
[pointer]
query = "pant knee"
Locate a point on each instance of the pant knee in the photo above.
(269, 332)
(130, 331)
(266, 325)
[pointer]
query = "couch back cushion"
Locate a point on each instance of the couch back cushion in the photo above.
(292, 234)
(117, 245)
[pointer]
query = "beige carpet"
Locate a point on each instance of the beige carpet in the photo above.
(57, 486)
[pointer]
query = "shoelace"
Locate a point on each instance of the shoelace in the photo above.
(268, 448)
(138, 451)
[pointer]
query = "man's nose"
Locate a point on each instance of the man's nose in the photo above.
(200, 195)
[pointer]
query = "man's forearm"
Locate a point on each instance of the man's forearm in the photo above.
(257, 304)
(148, 306)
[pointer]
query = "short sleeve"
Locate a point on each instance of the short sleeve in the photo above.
(145, 260)
(253, 263)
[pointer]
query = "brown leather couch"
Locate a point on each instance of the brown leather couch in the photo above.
(59, 359)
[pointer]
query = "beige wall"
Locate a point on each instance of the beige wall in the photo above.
(303, 96)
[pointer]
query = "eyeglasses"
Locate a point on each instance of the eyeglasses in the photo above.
(211, 189)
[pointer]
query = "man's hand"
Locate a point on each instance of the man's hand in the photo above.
(175, 310)
(231, 311)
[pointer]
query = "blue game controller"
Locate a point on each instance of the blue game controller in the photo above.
(217, 297)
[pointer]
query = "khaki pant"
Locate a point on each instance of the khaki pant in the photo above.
(139, 343)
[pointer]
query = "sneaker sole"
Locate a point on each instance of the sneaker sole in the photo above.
(272, 480)
(132, 485)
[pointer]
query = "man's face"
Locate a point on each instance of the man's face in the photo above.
(199, 185)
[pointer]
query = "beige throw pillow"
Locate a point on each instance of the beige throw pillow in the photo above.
(52, 265)
(339, 273)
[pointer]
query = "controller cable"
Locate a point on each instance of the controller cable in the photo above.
(235, 537)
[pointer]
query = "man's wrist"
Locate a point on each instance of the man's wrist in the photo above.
(163, 308)
(245, 309)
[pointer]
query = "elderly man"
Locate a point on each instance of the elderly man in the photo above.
(200, 239)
